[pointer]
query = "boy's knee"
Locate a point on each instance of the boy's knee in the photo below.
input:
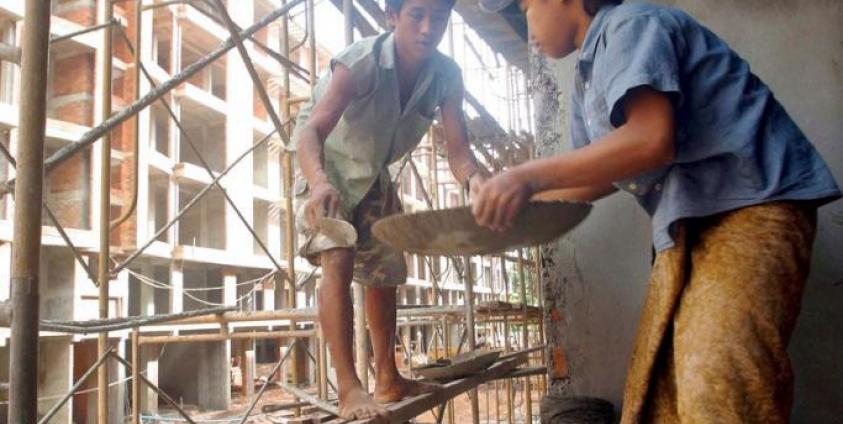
(340, 259)
(337, 255)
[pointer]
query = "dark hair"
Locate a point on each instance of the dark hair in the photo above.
(396, 5)
(592, 6)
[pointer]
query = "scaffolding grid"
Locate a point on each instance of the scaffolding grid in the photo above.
(493, 323)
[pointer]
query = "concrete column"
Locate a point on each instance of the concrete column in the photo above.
(214, 378)
(248, 369)
(229, 282)
(177, 282)
(149, 398)
(5, 270)
(239, 134)
(56, 376)
(268, 296)
(145, 226)
(147, 293)
(116, 392)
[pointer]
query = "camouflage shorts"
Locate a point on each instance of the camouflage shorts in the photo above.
(375, 264)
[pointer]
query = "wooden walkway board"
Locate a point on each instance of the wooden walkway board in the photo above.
(402, 411)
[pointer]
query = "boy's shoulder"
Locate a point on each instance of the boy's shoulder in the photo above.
(627, 11)
(446, 64)
(363, 48)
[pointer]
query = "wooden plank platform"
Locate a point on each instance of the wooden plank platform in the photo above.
(402, 411)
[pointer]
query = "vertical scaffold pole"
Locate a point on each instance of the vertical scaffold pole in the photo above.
(26, 244)
(106, 15)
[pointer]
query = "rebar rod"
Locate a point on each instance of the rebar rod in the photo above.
(96, 132)
(136, 61)
(204, 164)
(250, 67)
(83, 31)
(26, 244)
(190, 204)
(268, 379)
(8, 155)
(157, 389)
(294, 67)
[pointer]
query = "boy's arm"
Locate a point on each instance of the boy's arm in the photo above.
(325, 199)
(577, 194)
(643, 143)
(461, 160)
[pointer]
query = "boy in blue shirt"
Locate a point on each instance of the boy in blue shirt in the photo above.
(663, 109)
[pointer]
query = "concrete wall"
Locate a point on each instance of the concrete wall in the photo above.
(55, 375)
(197, 374)
(596, 277)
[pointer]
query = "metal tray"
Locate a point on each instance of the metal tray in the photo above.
(453, 232)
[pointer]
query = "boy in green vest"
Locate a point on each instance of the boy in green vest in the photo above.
(373, 108)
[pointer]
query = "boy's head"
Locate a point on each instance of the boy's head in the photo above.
(554, 25)
(419, 25)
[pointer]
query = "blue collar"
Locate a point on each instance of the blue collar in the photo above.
(593, 35)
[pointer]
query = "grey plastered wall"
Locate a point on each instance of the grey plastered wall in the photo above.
(596, 276)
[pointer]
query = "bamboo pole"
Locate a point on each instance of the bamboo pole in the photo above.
(136, 377)
(361, 351)
(103, 275)
(468, 280)
(525, 335)
(510, 397)
(222, 337)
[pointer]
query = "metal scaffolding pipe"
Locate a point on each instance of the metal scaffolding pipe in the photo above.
(96, 132)
(136, 62)
(26, 244)
(103, 274)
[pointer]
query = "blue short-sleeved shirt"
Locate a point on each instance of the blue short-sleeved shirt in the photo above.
(735, 144)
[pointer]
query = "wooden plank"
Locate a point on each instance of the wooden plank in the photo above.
(525, 372)
(402, 411)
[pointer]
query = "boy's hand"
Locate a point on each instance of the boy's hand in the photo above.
(324, 202)
(500, 199)
(475, 182)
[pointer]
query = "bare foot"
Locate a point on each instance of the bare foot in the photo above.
(358, 405)
(402, 387)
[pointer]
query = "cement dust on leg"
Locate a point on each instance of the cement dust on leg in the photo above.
(400, 388)
(357, 405)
